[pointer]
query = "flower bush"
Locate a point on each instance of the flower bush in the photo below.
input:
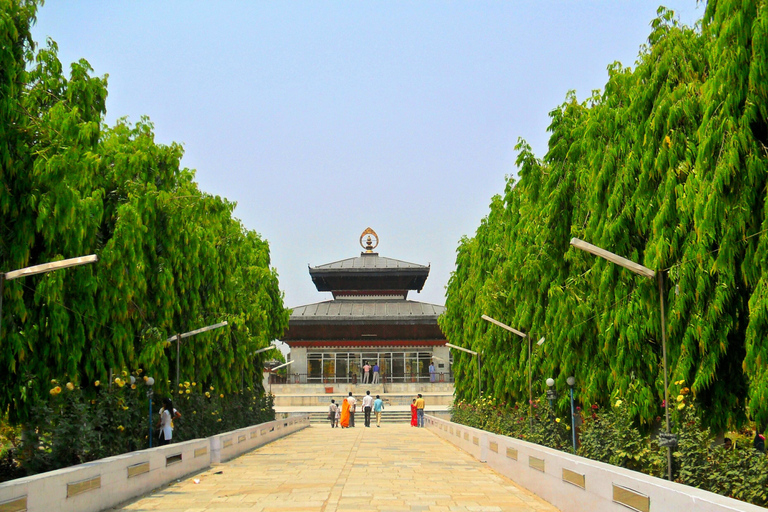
(613, 435)
(75, 425)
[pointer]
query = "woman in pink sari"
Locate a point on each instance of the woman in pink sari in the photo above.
(414, 421)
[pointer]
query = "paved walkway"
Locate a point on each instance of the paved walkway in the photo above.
(395, 467)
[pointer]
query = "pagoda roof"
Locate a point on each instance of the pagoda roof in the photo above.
(369, 261)
(369, 271)
(367, 311)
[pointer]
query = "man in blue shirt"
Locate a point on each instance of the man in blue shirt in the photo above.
(375, 373)
(378, 406)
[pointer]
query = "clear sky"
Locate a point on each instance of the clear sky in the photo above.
(323, 118)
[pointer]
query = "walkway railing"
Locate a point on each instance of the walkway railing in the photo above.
(577, 484)
(104, 483)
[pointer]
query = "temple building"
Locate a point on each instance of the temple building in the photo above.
(369, 319)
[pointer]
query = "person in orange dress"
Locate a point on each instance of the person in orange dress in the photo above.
(345, 414)
(414, 421)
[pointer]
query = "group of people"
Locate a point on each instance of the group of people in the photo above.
(417, 411)
(367, 368)
(344, 415)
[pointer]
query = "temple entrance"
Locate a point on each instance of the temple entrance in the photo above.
(394, 366)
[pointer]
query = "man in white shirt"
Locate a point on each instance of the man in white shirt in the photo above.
(351, 401)
(367, 407)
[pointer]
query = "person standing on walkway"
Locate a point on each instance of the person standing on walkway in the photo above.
(352, 402)
(367, 407)
(167, 415)
(375, 373)
(366, 373)
(420, 411)
(414, 420)
(332, 411)
(345, 413)
(431, 372)
(378, 406)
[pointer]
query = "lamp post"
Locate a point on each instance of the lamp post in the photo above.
(150, 382)
(479, 379)
(539, 343)
(571, 381)
(41, 269)
(277, 368)
(179, 337)
(669, 440)
(551, 394)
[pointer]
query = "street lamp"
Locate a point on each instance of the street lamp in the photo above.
(571, 381)
(40, 269)
(669, 440)
(150, 382)
(179, 337)
(551, 394)
(539, 343)
(479, 379)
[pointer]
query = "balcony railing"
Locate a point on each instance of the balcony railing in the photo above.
(303, 378)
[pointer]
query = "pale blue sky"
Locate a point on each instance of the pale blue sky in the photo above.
(323, 118)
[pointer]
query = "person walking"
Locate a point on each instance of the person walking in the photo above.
(366, 373)
(338, 415)
(332, 411)
(414, 420)
(352, 402)
(167, 415)
(431, 372)
(420, 411)
(367, 408)
(378, 406)
(345, 413)
(375, 373)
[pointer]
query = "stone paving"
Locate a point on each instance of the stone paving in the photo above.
(395, 467)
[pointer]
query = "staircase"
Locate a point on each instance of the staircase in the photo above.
(321, 418)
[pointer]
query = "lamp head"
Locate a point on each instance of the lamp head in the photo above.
(150, 381)
(541, 341)
(571, 380)
(550, 382)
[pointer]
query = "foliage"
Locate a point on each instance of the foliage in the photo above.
(664, 166)
(78, 425)
(172, 258)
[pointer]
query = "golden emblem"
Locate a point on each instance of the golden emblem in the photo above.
(372, 240)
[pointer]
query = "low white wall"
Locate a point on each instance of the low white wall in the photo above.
(598, 486)
(104, 483)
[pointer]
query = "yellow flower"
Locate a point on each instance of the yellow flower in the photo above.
(194, 412)
(138, 372)
(680, 407)
(680, 398)
(218, 419)
(146, 378)
(207, 395)
(186, 384)
(125, 373)
(125, 408)
(119, 381)
(133, 386)
(53, 381)
(70, 386)
(97, 383)
(194, 384)
(120, 428)
(189, 391)
(221, 395)
(181, 392)
(668, 140)
(55, 391)
(685, 391)
(213, 413)
(618, 403)
(557, 420)
(211, 388)
(181, 385)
